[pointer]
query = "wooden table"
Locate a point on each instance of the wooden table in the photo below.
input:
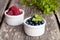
(17, 33)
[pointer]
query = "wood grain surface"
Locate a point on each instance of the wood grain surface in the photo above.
(8, 32)
(3, 4)
(58, 15)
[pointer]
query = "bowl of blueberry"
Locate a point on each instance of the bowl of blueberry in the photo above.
(35, 25)
(14, 16)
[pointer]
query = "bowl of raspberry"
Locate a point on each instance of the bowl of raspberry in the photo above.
(14, 16)
(35, 25)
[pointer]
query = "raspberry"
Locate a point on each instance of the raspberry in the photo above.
(15, 11)
(10, 13)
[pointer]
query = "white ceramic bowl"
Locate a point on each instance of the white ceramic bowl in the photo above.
(34, 30)
(14, 20)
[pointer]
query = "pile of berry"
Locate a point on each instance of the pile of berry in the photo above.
(14, 11)
(33, 23)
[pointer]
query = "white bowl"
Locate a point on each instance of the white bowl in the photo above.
(34, 30)
(14, 20)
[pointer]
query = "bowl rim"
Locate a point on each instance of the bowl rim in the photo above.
(32, 25)
(14, 15)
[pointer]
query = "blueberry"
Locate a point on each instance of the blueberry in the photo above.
(34, 23)
(27, 22)
(31, 23)
(39, 23)
(42, 22)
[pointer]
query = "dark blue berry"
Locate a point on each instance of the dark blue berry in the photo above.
(36, 23)
(42, 22)
(27, 22)
(39, 22)
(33, 24)
(30, 23)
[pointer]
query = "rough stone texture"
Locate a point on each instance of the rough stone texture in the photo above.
(17, 33)
(3, 4)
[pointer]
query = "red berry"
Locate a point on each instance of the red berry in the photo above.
(15, 11)
(10, 13)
